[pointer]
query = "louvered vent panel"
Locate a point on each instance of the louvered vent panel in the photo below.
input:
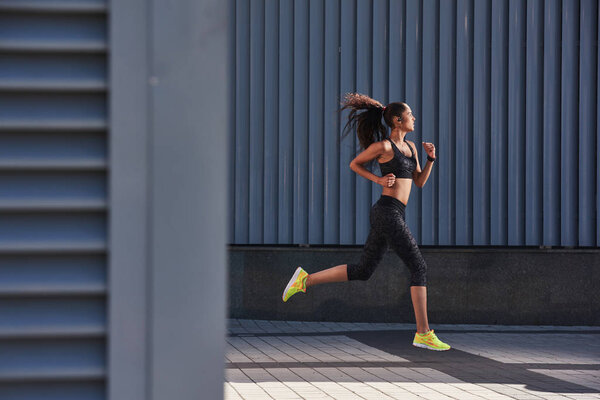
(53, 200)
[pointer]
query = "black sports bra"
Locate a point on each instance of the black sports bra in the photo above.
(401, 166)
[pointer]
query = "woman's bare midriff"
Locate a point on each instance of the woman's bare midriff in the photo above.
(400, 190)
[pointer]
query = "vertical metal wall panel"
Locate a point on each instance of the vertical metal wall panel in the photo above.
(587, 122)
(481, 123)
(257, 123)
(505, 89)
(464, 122)
(552, 118)
(242, 121)
(569, 123)
(499, 116)
(285, 216)
(428, 121)
(396, 49)
(271, 142)
(516, 122)
(447, 107)
(301, 119)
(53, 200)
(231, 147)
(598, 136)
(348, 142)
(315, 122)
(533, 123)
(364, 54)
(413, 98)
(380, 68)
(331, 123)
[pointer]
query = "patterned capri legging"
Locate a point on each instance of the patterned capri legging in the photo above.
(388, 229)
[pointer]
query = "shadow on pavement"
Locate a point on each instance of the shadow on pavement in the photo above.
(472, 368)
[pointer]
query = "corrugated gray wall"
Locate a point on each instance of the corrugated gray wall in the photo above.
(53, 199)
(507, 91)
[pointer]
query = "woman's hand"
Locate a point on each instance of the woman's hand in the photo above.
(430, 149)
(387, 181)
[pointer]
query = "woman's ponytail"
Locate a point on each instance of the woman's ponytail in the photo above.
(369, 128)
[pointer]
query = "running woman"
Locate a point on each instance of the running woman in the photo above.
(399, 168)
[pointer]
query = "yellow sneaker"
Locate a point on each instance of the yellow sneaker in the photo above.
(429, 341)
(296, 284)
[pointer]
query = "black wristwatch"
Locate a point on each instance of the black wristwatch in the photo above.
(431, 159)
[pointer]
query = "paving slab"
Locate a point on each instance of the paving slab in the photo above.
(323, 360)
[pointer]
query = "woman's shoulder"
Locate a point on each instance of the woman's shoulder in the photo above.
(382, 149)
(383, 146)
(379, 148)
(384, 143)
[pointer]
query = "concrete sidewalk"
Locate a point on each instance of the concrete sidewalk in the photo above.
(312, 360)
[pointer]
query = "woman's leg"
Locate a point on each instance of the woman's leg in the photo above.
(334, 274)
(374, 249)
(405, 246)
(419, 300)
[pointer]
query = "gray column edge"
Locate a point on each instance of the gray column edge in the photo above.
(127, 344)
(189, 115)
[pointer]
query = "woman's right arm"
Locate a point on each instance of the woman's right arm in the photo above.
(370, 153)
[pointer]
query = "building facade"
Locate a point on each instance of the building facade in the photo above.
(506, 90)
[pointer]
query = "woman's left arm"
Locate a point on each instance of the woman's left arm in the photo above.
(420, 177)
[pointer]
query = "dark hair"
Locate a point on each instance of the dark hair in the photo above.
(369, 128)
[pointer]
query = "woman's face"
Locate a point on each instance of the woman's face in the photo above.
(407, 122)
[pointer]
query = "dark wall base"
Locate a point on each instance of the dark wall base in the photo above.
(478, 286)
